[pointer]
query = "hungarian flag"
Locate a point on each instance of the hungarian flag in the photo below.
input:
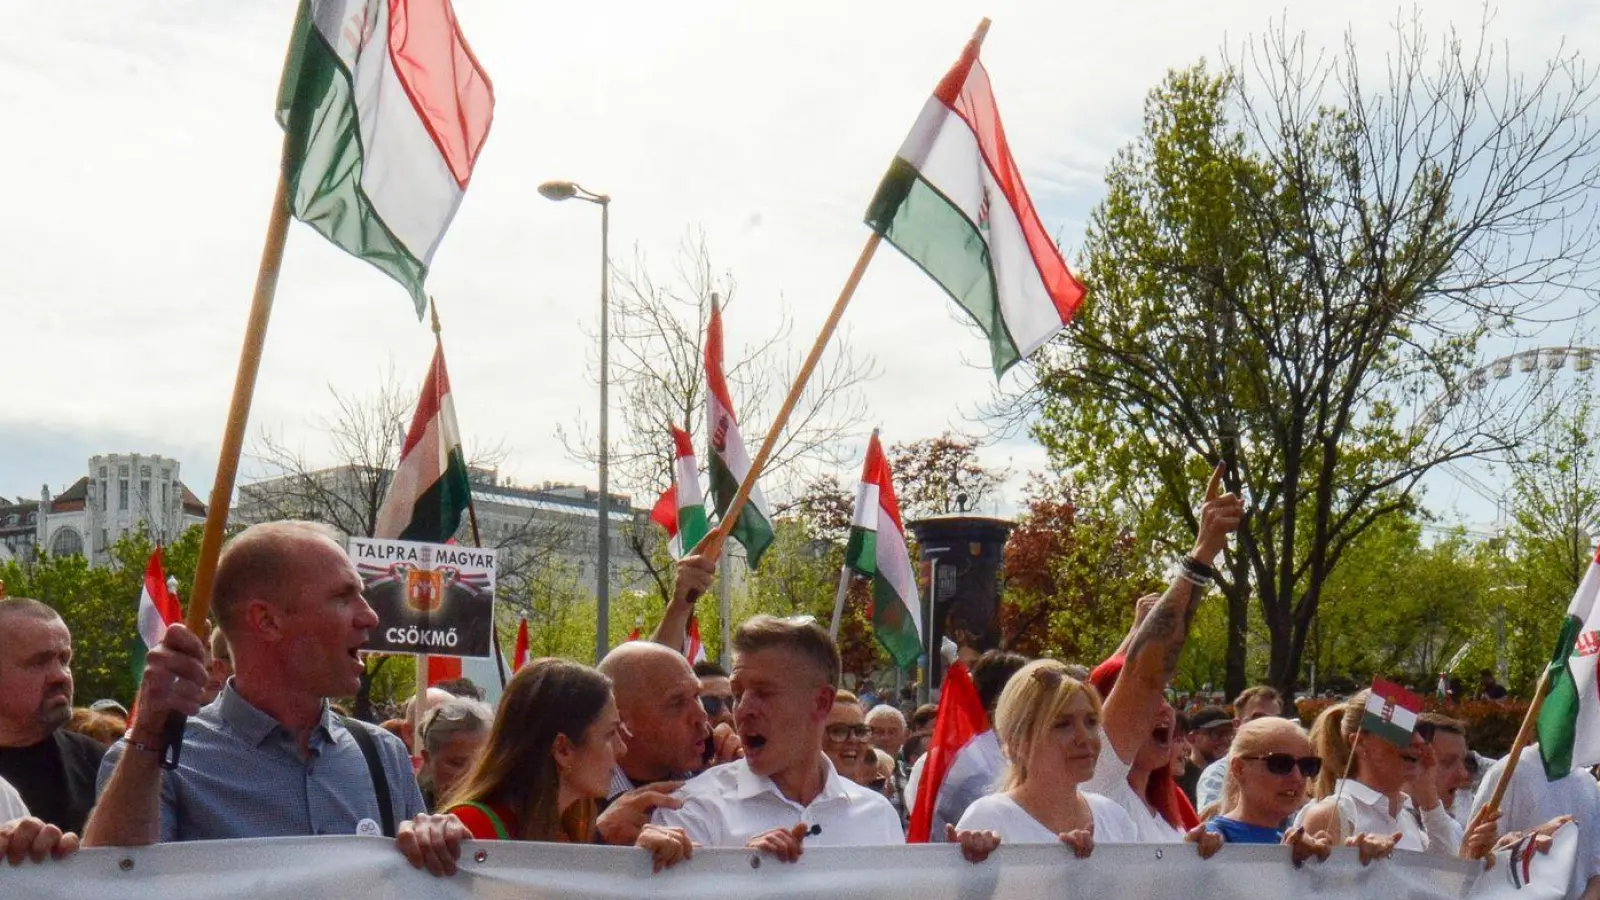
(877, 549)
(730, 464)
(634, 634)
(1569, 722)
(961, 718)
(430, 490)
(694, 651)
(158, 608)
(681, 510)
(519, 656)
(1391, 713)
(386, 111)
(954, 203)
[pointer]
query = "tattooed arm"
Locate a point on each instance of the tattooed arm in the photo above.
(1152, 654)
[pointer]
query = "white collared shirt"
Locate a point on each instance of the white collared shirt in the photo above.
(11, 805)
(1531, 801)
(727, 805)
(1363, 809)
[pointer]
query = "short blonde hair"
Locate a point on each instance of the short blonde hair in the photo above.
(800, 635)
(1028, 708)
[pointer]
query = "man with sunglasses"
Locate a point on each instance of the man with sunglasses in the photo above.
(716, 694)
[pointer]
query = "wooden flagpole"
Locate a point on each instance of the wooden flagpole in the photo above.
(244, 387)
(713, 542)
(838, 601)
(1524, 737)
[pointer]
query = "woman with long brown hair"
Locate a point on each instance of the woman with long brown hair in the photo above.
(554, 745)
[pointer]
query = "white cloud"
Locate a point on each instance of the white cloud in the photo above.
(142, 154)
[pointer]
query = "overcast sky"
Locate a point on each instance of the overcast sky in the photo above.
(141, 155)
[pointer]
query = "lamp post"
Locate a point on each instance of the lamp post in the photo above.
(567, 190)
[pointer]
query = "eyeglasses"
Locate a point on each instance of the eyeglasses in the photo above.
(1283, 763)
(841, 733)
(715, 705)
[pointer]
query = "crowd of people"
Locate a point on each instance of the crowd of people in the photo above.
(645, 750)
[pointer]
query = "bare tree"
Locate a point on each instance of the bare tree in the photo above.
(1290, 267)
(658, 375)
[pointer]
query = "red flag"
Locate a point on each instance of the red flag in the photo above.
(961, 718)
(693, 650)
(634, 634)
(665, 512)
(443, 668)
(519, 657)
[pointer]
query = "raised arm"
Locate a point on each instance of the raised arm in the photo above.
(1152, 656)
(692, 579)
(128, 812)
(1141, 611)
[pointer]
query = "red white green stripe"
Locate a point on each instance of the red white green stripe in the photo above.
(877, 548)
(158, 608)
(1391, 713)
(954, 202)
(430, 490)
(681, 509)
(1569, 722)
(729, 463)
(386, 110)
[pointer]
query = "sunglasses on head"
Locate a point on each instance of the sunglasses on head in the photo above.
(1284, 763)
(842, 733)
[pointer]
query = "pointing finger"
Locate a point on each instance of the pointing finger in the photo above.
(1214, 488)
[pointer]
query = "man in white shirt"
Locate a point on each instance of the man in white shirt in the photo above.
(784, 791)
(1531, 800)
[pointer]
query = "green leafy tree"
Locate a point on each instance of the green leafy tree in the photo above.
(1284, 270)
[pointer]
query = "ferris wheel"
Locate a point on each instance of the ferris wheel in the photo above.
(1497, 390)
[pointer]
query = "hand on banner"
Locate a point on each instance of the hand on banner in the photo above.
(31, 838)
(1303, 845)
(693, 578)
(667, 846)
(175, 676)
(1207, 842)
(629, 814)
(1081, 841)
(432, 842)
(1542, 838)
(1372, 846)
(975, 845)
(1482, 833)
(1220, 515)
(726, 743)
(784, 843)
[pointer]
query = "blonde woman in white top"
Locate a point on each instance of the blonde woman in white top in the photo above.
(1049, 727)
(1373, 800)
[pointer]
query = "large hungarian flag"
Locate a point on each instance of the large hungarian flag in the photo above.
(730, 464)
(1391, 713)
(386, 110)
(681, 509)
(961, 718)
(158, 608)
(877, 548)
(430, 490)
(953, 201)
(1569, 722)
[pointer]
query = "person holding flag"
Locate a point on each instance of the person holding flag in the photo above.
(1372, 739)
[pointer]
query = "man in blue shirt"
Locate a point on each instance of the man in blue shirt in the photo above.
(267, 757)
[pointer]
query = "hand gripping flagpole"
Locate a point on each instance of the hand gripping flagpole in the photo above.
(1524, 737)
(711, 545)
(244, 387)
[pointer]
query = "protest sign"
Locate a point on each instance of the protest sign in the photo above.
(435, 599)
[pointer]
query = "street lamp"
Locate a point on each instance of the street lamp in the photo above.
(567, 190)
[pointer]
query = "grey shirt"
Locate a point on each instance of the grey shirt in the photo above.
(240, 775)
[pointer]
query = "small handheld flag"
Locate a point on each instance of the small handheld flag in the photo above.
(1392, 713)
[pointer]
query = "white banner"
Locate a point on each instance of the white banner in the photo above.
(353, 868)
